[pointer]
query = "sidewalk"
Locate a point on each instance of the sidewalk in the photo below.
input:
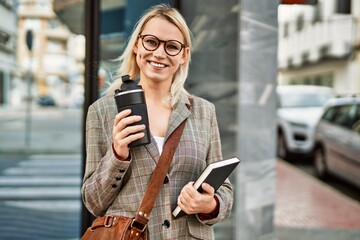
(308, 209)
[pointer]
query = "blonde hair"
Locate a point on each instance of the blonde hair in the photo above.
(128, 65)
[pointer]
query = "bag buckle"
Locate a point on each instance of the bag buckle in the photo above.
(108, 221)
(139, 226)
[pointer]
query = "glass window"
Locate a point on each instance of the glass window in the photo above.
(286, 29)
(345, 116)
(329, 114)
(300, 23)
(343, 6)
(356, 123)
(356, 126)
(288, 100)
(41, 97)
(318, 80)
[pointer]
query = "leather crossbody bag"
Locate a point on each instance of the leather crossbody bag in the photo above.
(121, 227)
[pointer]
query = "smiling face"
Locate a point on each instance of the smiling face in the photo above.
(157, 66)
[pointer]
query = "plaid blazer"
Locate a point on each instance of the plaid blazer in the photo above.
(114, 187)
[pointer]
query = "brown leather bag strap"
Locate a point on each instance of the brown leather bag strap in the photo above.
(159, 174)
(157, 179)
(139, 223)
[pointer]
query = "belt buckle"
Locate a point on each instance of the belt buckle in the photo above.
(138, 223)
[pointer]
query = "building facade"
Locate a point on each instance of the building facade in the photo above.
(8, 65)
(319, 45)
(55, 59)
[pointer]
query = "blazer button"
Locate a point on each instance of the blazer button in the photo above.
(166, 180)
(114, 185)
(166, 224)
(118, 178)
(121, 170)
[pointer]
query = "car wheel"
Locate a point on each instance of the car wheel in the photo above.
(282, 151)
(320, 163)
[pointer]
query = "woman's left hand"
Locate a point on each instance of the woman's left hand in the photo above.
(192, 202)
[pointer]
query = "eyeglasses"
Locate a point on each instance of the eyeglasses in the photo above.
(151, 43)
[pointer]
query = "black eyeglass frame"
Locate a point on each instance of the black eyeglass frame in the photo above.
(161, 41)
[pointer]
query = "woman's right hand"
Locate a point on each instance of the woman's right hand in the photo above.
(123, 134)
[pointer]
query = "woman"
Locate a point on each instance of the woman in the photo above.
(116, 176)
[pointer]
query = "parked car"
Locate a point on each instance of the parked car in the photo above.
(299, 110)
(46, 101)
(337, 137)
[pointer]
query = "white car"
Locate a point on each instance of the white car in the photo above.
(299, 110)
(337, 136)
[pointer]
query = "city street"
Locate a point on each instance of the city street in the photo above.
(51, 130)
(268, 67)
(40, 182)
(40, 197)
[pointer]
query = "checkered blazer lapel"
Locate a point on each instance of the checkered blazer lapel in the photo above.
(179, 114)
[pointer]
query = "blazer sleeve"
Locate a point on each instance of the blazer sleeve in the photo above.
(104, 173)
(225, 192)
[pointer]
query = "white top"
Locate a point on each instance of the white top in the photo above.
(160, 143)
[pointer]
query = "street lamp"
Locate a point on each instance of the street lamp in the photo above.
(29, 44)
(29, 39)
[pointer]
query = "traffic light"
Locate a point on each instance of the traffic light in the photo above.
(304, 2)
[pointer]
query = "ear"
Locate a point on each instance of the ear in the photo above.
(185, 55)
(135, 48)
